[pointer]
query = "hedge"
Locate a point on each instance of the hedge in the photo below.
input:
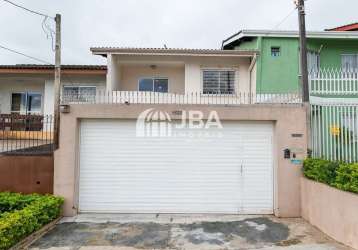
(15, 201)
(19, 223)
(343, 176)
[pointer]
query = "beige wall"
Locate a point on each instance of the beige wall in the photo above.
(130, 74)
(288, 120)
(41, 84)
(185, 71)
(9, 86)
(333, 211)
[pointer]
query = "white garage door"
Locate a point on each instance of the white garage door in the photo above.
(226, 172)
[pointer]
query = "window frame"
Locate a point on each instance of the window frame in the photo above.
(350, 54)
(153, 78)
(26, 111)
(279, 51)
(79, 87)
(236, 79)
(316, 53)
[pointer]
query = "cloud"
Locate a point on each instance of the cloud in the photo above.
(152, 23)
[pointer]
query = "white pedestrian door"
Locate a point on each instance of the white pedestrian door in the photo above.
(229, 171)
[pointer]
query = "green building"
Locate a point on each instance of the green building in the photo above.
(277, 65)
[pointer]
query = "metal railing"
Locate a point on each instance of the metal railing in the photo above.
(334, 132)
(195, 98)
(26, 134)
(334, 82)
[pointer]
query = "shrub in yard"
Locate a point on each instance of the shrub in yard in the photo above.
(320, 170)
(15, 201)
(17, 224)
(340, 175)
(347, 177)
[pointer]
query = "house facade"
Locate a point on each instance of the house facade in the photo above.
(179, 71)
(29, 89)
(279, 52)
(178, 131)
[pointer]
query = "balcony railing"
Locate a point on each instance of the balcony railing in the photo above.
(334, 82)
(135, 97)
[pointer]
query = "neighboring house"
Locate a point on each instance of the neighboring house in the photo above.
(347, 27)
(278, 69)
(28, 89)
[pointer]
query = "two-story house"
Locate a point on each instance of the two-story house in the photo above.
(278, 69)
(181, 131)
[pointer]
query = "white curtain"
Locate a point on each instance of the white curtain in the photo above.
(350, 62)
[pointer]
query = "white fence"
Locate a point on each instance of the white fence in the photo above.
(334, 132)
(334, 82)
(136, 97)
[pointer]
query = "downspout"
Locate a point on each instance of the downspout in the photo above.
(252, 65)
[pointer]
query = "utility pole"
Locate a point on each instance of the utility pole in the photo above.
(57, 81)
(303, 49)
(304, 69)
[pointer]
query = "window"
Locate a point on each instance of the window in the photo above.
(313, 61)
(218, 81)
(26, 103)
(153, 85)
(79, 93)
(350, 62)
(275, 51)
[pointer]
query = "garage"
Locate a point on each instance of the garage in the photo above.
(228, 170)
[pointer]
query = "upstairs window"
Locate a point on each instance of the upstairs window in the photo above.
(218, 81)
(313, 61)
(350, 62)
(275, 51)
(79, 93)
(153, 85)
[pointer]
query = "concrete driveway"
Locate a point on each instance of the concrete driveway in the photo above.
(89, 232)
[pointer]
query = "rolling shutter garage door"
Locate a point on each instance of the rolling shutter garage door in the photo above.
(122, 173)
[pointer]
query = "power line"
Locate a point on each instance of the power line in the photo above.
(49, 32)
(29, 10)
(282, 21)
(23, 54)
(36, 59)
(268, 32)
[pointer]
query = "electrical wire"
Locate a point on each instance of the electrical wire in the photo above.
(64, 75)
(269, 31)
(282, 21)
(49, 32)
(29, 10)
(25, 55)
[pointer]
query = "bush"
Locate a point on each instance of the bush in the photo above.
(347, 177)
(340, 175)
(321, 170)
(17, 224)
(15, 201)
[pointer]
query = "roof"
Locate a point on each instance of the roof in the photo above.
(171, 52)
(287, 33)
(47, 69)
(48, 66)
(347, 27)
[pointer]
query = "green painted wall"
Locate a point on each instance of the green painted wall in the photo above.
(249, 44)
(331, 50)
(281, 74)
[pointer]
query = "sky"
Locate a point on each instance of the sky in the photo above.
(151, 23)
